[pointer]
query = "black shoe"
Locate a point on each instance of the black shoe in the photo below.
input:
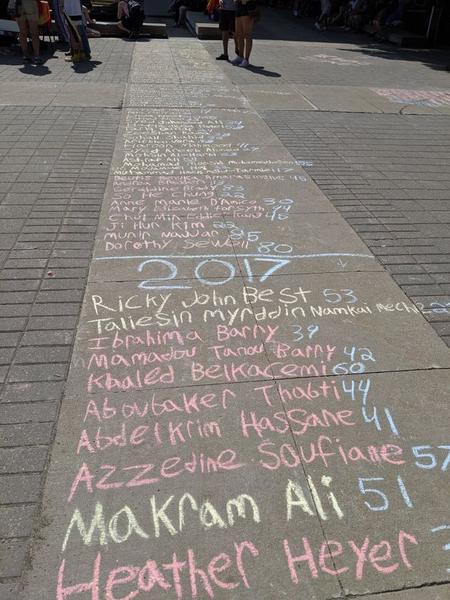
(222, 57)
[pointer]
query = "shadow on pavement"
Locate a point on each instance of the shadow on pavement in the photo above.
(278, 24)
(36, 70)
(263, 71)
(12, 55)
(434, 59)
(139, 40)
(85, 66)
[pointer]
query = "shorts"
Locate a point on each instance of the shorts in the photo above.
(226, 20)
(242, 10)
(29, 11)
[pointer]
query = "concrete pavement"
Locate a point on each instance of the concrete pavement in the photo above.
(254, 408)
(370, 124)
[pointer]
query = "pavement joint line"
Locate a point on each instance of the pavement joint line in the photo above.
(280, 379)
(11, 447)
(20, 473)
(399, 590)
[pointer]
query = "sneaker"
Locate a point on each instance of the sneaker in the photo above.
(222, 57)
(68, 58)
(26, 59)
(237, 60)
(38, 60)
(244, 63)
(295, 13)
(318, 26)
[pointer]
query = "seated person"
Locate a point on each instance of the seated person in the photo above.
(130, 15)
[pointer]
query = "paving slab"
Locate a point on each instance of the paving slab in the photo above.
(210, 141)
(410, 100)
(258, 197)
(180, 510)
(359, 312)
(183, 63)
(178, 222)
(108, 95)
(313, 244)
(338, 98)
(296, 247)
(280, 97)
(390, 496)
(146, 69)
(184, 95)
(28, 94)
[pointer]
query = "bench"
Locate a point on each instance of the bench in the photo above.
(202, 27)
(8, 27)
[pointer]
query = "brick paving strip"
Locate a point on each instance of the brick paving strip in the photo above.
(49, 221)
(54, 164)
(395, 193)
(254, 409)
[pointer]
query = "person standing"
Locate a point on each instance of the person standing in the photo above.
(27, 14)
(227, 16)
(246, 15)
(79, 43)
(322, 21)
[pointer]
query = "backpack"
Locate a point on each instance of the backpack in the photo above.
(135, 15)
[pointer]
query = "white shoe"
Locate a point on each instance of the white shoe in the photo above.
(237, 60)
(244, 63)
(317, 26)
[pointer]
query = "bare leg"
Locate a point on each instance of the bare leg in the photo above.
(34, 34)
(248, 30)
(248, 48)
(23, 36)
(239, 35)
(122, 27)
